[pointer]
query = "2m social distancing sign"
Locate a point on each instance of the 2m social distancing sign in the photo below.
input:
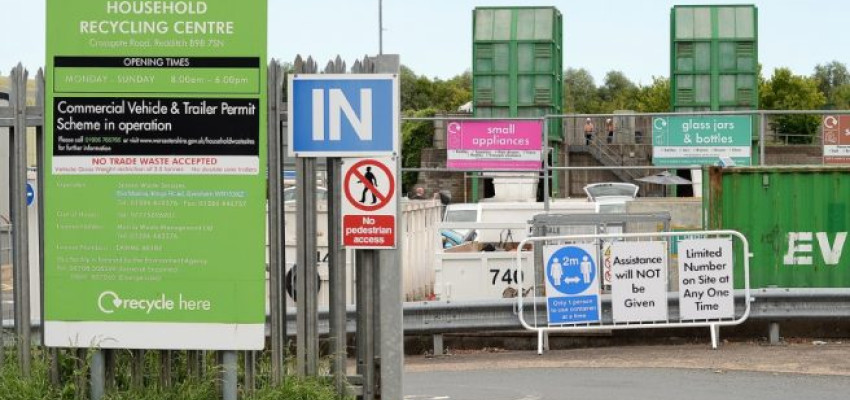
(572, 284)
(369, 203)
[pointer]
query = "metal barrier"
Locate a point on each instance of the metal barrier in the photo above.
(438, 317)
(676, 321)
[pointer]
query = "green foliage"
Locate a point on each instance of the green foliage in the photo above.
(654, 98)
(415, 136)
(420, 93)
(618, 92)
(786, 91)
(298, 389)
(833, 80)
(840, 98)
(13, 386)
(580, 93)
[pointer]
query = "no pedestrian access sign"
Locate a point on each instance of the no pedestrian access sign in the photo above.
(369, 203)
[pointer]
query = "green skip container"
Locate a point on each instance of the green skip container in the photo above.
(795, 218)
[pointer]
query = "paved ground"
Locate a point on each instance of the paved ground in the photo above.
(800, 356)
(797, 370)
(621, 383)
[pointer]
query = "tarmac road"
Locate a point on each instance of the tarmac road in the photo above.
(688, 372)
(621, 383)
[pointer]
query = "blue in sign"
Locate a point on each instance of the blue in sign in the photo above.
(571, 270)
(334, 116)
(30, 194)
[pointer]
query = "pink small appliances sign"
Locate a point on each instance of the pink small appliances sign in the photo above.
(495, 145)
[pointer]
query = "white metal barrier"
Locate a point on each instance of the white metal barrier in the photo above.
(419, 222)
(597, 241)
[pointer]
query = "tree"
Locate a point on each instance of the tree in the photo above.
(831, 77)
(786, 91)
(415, 136)
(840, 99)
(580, 92)
(655, 97)
(420, 93)
(618, 92)
(416, 91)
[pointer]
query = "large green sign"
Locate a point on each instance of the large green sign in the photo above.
(155, 179)
(701, 140)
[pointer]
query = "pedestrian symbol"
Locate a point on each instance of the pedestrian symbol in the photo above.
(369, 185)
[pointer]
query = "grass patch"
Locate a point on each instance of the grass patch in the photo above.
(185, 385)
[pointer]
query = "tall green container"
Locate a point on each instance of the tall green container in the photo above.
(714, 57)
(517, 66)
(796, 220)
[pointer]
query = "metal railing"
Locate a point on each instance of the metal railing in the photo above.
(670, 322)
(437, 317)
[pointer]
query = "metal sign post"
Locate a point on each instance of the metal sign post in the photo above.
(356, 115)
(18, 213)
(277, 299)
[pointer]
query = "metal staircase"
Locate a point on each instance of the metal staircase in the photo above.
(603, 153)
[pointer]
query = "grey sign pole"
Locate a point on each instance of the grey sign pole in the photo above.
(98, 374)
(336, 260)
(306, 287)
(367, 325)
(365, 316)
(390, 333)
(229, 361)
(277, 298)
(4, 198)
(18, 212)
(41, 156)
(337, 275)
(305, 272)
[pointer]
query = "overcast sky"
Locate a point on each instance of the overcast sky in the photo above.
(434, 37)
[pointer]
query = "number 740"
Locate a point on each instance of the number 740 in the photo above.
(509, 276)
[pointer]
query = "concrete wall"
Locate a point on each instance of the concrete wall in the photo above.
(794, 155)
(436, 181)
(685, 213)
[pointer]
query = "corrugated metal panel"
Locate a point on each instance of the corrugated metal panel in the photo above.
(714, 57)
(796, 220)
(517, 62)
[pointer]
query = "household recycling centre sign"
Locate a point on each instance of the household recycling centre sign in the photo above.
(701, 140)
(155, 180)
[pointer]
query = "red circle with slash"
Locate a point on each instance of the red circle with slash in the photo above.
(383, 199)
